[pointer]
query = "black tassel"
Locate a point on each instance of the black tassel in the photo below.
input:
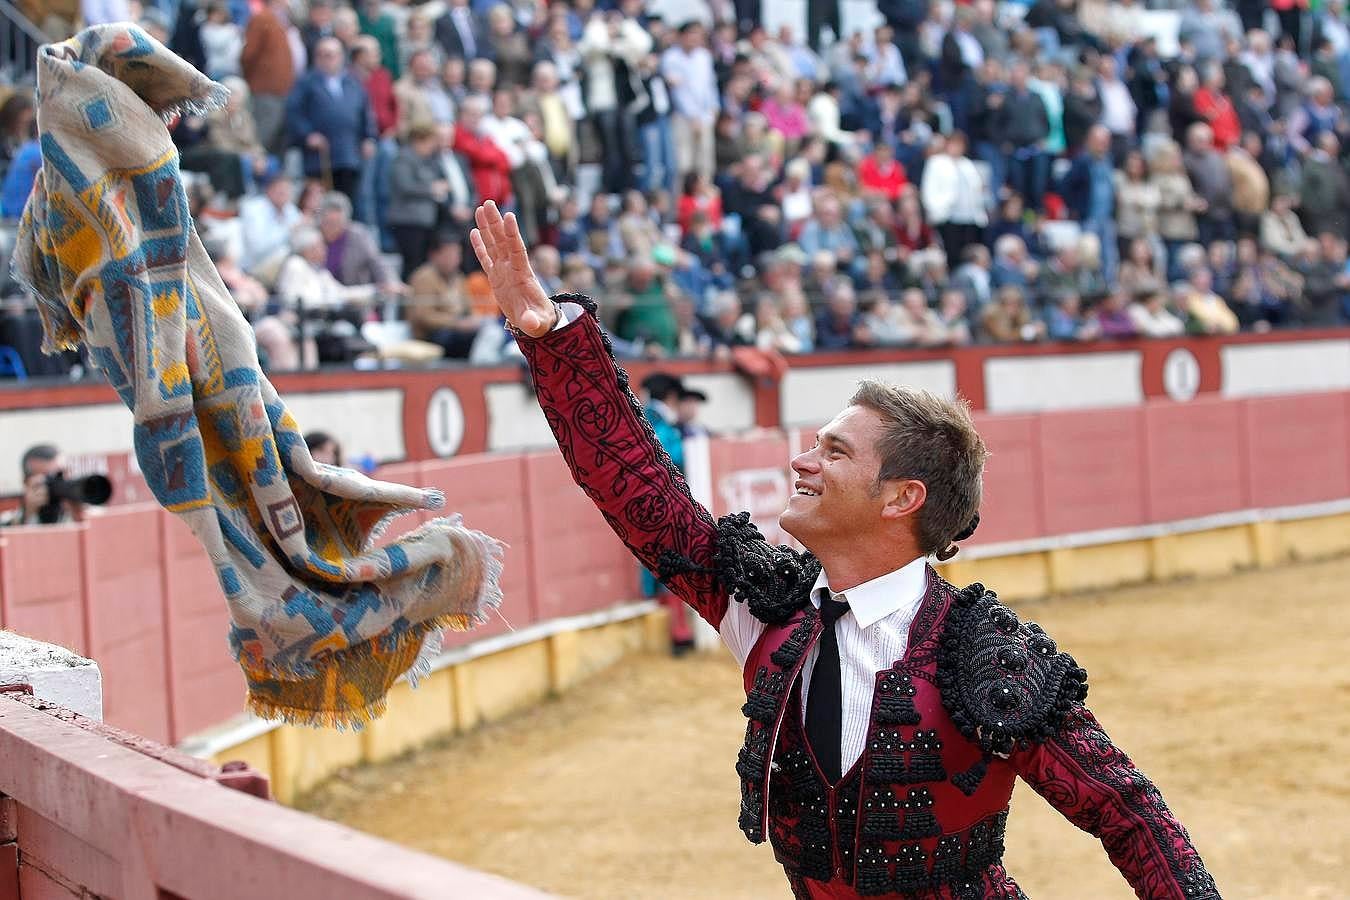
(947, 858)
(925, 768)
(919, 819)
(968, 782)
(873, 874)
(881, 819)
(897, 711)
(888, 769)
(912, 872)
(919, 823)
(925, 764)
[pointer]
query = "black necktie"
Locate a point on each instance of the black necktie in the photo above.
(824, 702)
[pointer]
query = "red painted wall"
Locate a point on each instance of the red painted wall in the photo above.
(133, 588)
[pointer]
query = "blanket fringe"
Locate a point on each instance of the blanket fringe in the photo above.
(424, 636)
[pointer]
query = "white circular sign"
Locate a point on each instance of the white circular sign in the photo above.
(445, 422)
(1181, 375)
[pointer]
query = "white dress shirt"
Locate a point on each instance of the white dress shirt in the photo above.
(873, 634)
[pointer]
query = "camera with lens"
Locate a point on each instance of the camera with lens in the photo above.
(92, 489)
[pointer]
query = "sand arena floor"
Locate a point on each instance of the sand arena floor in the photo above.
(1233, 694)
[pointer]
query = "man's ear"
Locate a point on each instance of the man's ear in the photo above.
(903, 497)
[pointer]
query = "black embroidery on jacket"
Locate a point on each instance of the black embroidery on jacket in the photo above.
(1004, 683)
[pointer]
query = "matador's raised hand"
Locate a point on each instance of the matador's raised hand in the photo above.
(501, 252)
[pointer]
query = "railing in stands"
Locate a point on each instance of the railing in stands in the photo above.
(19, 42)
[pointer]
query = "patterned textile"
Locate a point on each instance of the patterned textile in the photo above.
(323, 622)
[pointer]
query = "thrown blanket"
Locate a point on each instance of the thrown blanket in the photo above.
(323, 622)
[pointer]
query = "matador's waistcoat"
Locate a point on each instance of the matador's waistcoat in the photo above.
(979, 698)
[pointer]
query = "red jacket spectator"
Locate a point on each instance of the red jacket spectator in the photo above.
(707, 202)
(488, 166)
(380, 87)
(1218, 110)
(881, 174)
(378, 82)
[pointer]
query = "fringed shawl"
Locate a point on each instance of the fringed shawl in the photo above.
(323, 622)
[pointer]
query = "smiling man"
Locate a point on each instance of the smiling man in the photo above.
(889, 712)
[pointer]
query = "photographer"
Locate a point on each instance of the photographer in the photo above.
(48, 497)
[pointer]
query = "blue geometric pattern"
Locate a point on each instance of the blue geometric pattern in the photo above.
(322, 623)
(97, 113)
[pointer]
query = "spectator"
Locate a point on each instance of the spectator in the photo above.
(324, 448)
(1181, 110)
(1206, 312)
(439, 311)
(459, 32)
(1073, 270)
(974, 277)
(329, 113)
(1119, 113)
(20, 175)
(750, 197)
(1089, 191)
(611, 47)
(954, 195)
(266, 221)
(1065, 320)
(1208, 27)
(1021, 125)
(1326, 282)
(318, 26)
(1113, 319)
(1139, 272)
(419, 35)
(726, 325)
(1082, 109)
(1177, 200)
(532, 182)
(1007, 319)
(489, 167)
(419, 192)
(222, 41)
(1137, 201)
(420, 96)
(353, 254)
(1318, 115)
(1208, 171)
(1215, 108)
(17, 124)
(687, 68)
(827, 231)
(880, 174)
(922, 323)
(1012, 264)
(651, 111)
(884, 321)
(378, 82)
(646, 317)
(39, 464)
(317, 302)
(711, 249)
(1281, 231)
(770, 331)
(1153, 319)
(955, 324)
(508, 47)
(377, 24)
(797, 317)
(1325, 188)
(269, 67)
(839, 326)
